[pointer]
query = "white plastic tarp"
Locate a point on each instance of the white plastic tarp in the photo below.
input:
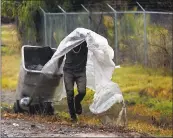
(99, 69)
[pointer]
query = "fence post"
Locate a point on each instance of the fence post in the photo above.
(88, 15)
(65, 17)
(50, 39)
(116, 33)
(45, 31)
(145, 40)
(116, 39)
(145, 37)
(65, 23)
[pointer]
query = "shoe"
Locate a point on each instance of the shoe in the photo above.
(78, 108)
(73, 120)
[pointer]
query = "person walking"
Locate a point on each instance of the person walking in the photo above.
(75, 72)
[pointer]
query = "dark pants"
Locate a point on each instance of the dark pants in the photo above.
(69, 79)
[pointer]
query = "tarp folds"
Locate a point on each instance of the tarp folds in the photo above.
(99, 69)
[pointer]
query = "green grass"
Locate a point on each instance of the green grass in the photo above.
(137, 78)
(10, 57)
(143, 126)
(9, 38)
(10, 71)
(163, 106)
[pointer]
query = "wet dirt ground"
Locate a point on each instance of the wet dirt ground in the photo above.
(27, 128)
(24, 128)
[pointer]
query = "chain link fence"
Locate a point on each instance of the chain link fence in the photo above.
(137, 36)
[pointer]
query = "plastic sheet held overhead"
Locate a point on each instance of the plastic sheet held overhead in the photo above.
(99, 69)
